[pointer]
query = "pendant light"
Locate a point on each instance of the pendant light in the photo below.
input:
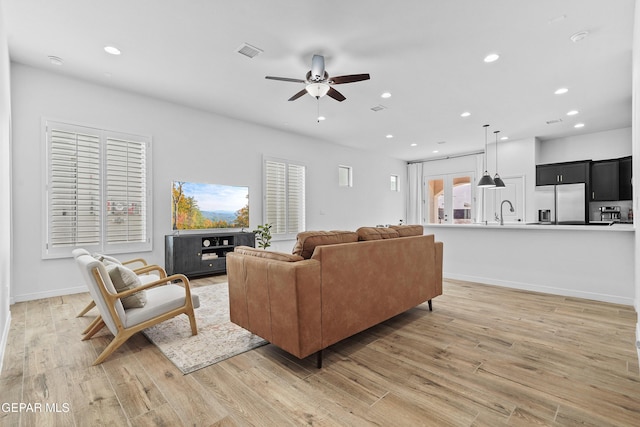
(486, 181)
(496, 179)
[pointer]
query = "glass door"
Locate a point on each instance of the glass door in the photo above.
(449, 199)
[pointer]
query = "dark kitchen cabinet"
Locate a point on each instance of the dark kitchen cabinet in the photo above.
(611, 180)
(202, 254)
(605, 180)
(626, 191)
(562, 173)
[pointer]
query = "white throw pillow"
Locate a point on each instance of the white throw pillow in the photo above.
(124, 279)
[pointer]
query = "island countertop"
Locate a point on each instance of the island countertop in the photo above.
(537, 226)
(586, 261)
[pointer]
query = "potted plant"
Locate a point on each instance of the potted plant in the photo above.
(263, 235)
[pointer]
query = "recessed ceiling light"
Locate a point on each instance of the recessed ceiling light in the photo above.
(578, 125)
(386, 95)
(561, 91)
(414, 144)
(465, 114)
(112, 50)
(504, 138)
(321, 118)
(572, 113)
(389, 136)
(492, 57)
(580, 35)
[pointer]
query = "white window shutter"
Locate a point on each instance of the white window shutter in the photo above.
(73, 189)
(125, 188)
(284, 203)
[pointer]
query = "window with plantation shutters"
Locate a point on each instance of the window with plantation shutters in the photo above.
(125, 185)
(97, 191)
(284, 204)
(74, 189)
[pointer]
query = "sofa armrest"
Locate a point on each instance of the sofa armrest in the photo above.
(277, 300)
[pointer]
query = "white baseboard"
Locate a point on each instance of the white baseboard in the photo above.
(4, 338)
(544, 289)
(48, 294)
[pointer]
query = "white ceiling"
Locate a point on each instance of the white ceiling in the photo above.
(427, 53)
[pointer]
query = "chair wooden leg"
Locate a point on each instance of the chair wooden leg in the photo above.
(113, 346)
(192, 321)
(86, 309)
(93, 323)
(99, 325)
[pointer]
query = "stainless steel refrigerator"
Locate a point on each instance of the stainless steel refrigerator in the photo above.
(566, 202)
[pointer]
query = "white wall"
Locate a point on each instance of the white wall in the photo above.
(188, 145)
(635, 97)
(610, 144)
(5, 189)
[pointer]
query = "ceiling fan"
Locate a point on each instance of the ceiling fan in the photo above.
(318, 83)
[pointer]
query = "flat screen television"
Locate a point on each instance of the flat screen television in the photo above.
(199, 206)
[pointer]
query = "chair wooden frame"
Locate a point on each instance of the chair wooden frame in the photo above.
(131, 261)
(124, 333)
(142, 270)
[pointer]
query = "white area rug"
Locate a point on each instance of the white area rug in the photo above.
(217, 339)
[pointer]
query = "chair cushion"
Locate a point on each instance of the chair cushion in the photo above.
(261, 253)
(124, 279)
(376, 233)
(307, 241)
(160, 300)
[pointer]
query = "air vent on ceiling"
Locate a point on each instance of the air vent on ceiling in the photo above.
(553, 122)
(378, 108)
(249, 51)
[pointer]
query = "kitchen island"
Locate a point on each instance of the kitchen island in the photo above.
(586, 261)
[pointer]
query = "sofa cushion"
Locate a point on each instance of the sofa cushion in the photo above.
(376, 233)
(278, 256)
(408, 230)
(308, 240)
(124, 279)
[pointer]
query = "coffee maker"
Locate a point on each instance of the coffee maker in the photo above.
(610, 213)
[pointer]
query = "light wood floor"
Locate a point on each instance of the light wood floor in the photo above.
(486, 356)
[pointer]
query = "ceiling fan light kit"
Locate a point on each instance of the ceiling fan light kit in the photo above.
(318, 83)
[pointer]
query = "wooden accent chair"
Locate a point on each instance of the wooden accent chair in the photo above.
(140, 270)
(164, 300)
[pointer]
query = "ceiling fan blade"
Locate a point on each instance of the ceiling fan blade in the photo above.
(351, 78)
(298, 95)
(285, 79)
(335, 94)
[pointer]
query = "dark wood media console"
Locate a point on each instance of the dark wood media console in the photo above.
(202, 254)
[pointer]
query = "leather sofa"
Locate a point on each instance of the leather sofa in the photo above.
(334, 285)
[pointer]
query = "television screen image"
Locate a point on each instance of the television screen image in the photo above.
(198, 206)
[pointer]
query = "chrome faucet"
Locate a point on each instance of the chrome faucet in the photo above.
(510, 209)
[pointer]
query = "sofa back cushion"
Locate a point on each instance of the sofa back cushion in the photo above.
(408, 230)
(376, 233)
(261, 253)
(308, 240)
